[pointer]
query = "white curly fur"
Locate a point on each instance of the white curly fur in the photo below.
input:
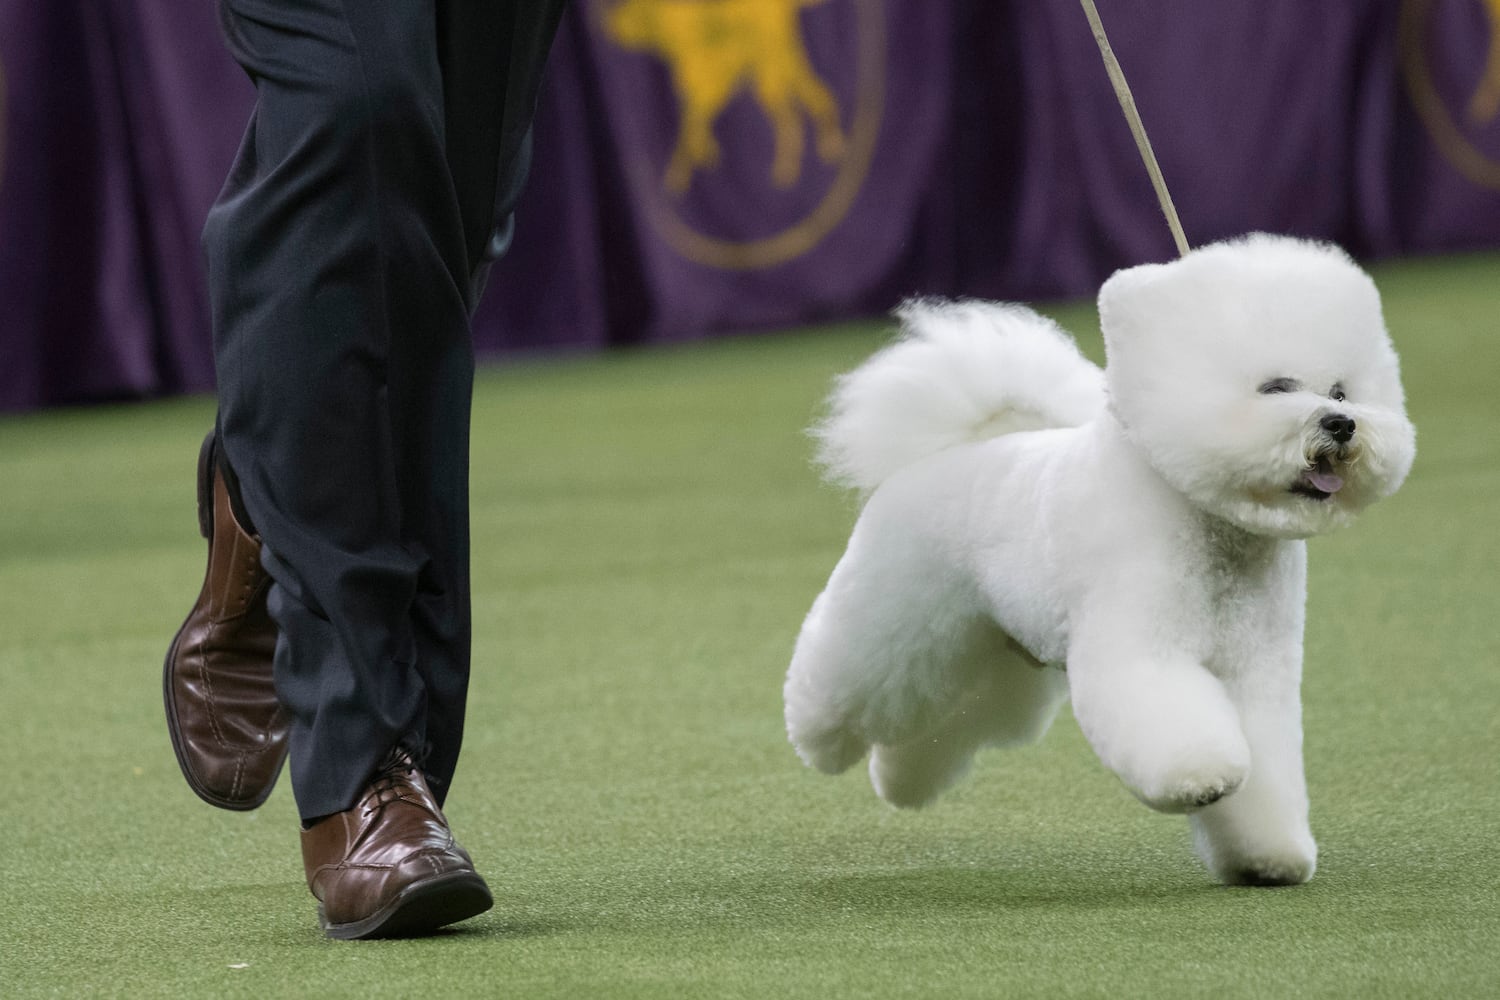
(1019, 519)
(962, 371)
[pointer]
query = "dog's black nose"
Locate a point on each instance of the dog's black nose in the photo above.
(1338, 426)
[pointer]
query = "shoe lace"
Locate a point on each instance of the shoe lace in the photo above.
(392, 775)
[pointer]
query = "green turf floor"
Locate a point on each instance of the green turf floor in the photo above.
(647, 536)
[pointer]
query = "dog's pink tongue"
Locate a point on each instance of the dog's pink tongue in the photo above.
(1325, 481)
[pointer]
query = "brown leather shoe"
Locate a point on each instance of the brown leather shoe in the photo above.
(389, 866)
(228, 729)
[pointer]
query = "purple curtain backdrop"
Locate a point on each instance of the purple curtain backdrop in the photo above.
(962, 147)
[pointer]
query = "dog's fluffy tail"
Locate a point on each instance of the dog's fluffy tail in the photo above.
(961, 371)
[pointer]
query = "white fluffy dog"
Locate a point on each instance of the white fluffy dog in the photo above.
(1139, 527)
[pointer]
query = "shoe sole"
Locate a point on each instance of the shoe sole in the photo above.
(206, 527)
(420, 908)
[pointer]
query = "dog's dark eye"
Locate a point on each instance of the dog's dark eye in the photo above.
(1336, 394)
(1276, 385)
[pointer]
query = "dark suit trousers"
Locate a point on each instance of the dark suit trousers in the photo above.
(345, 255)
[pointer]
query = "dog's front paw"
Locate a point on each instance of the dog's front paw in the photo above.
(1194, 784)
(1291, 866)
(1257, 852)
(1181, 767)
(1189, 793)
(1270, 872)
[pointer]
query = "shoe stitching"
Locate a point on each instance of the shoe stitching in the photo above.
(209, 701)
(215, 628)
(422, 853)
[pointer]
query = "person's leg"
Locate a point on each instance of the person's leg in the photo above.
(334, 249)
(339, 284)
(346, 253)
(491, 56)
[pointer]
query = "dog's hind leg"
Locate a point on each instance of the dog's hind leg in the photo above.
(821, 692)
(1011, 703)
(874, 661)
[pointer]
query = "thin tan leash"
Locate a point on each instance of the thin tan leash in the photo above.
(1127, 105)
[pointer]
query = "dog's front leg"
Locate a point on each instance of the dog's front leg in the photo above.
(1153, 714)
(1260, 834)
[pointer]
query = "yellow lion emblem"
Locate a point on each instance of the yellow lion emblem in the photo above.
(714, 50)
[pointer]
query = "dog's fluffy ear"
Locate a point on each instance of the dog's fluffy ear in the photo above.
(1128, 293)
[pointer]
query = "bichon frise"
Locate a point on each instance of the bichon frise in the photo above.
(1139, 527)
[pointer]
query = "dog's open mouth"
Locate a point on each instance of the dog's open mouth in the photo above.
(1318, 482)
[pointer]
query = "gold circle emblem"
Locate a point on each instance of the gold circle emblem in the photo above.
(1455, 141)
(715, 50)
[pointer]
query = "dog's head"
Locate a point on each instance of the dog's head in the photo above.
(1257, 377)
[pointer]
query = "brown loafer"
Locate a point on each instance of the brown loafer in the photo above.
(389, 866)
(228, 729)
